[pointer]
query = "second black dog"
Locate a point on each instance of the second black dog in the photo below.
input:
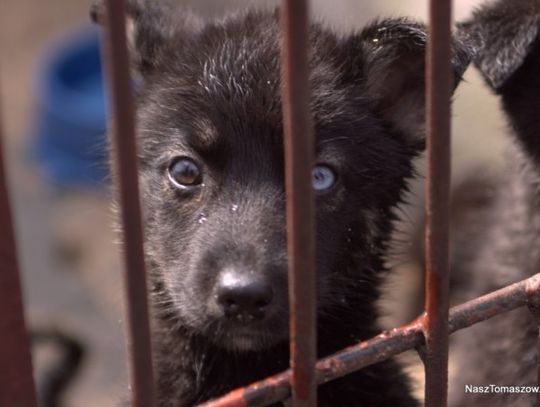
(506, 245)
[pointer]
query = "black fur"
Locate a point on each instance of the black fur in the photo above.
(212, 92)
(506, 248)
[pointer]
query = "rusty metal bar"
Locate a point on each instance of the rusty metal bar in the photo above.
(299, 159)
(438, 92)
(534, 307)
(498, 302)
(138, 329)
(16, 380)
(385, 345)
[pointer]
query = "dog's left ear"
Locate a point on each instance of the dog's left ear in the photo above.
(388, 57)
(154, 28)
(503, 33)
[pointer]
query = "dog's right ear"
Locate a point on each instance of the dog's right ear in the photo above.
(388, 57)
(152, 28)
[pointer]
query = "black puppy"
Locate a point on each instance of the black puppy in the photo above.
(211, 167)
(506, 248)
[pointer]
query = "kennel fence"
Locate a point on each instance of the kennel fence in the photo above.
(428, 334)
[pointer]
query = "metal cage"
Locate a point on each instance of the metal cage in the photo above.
(428, 333)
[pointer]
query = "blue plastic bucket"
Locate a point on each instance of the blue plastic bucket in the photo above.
(69, 140)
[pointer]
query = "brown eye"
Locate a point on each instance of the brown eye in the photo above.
(185, 173)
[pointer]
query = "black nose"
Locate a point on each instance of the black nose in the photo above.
(244, 296)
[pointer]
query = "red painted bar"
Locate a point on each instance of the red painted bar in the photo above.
(534, 307)
(299, 159)
(385, 345)
(16, 380)
(127, 188)
(438, 92)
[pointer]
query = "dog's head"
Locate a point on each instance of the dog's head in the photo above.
(212, 170)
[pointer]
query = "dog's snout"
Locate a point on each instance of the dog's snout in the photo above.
(244, 296)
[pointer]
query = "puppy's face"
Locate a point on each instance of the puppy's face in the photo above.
(212, 168)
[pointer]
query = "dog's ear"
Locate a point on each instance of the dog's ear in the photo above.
(506, 35)
(152, 28)
(503, 34)
(388, 57)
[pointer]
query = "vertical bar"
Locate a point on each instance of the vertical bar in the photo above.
(533, 303)
(16, 381)
(299, 158)
(138, 332)
(438, 92)
(537, 402)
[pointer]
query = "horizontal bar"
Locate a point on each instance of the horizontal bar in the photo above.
(495, 303)
(127, 188)
(16, 380)
(299, 160)
(438, 93)
(385, 345)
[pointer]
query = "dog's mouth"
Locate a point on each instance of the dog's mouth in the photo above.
(248, 338)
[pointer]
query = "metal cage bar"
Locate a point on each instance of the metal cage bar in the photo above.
(299, 158)
(16, 380)
(438, 94)
(125, 152)
(534, 307)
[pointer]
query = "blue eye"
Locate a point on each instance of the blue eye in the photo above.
(322, 177)
(184, 173)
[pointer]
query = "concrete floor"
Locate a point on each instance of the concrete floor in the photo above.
(70, 266)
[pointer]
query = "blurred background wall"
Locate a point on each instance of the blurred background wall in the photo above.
(70, 265)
